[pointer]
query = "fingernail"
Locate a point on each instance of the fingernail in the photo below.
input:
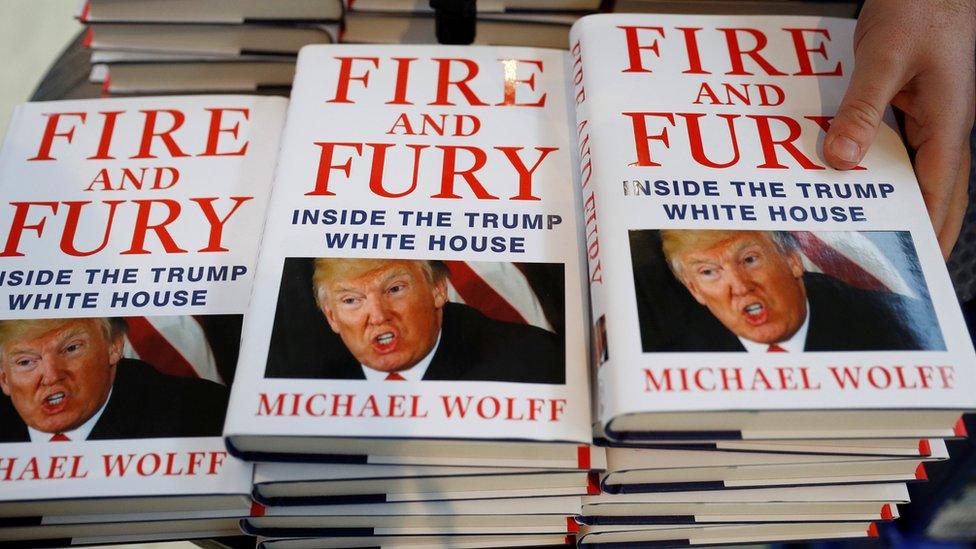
(845, 148)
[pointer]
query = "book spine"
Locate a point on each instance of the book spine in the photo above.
(600, 352)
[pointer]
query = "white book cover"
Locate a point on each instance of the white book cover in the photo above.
(720, 234)
(420, 275)
(130, 231)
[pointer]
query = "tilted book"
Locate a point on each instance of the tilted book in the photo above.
(740, 287)
(130, 231)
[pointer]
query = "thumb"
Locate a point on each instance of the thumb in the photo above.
(874, 82)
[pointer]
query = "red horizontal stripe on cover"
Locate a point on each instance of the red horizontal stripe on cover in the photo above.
(593, 483)
(86, 42)
(960, 428)
(150, 343)
(924, 448)
(836, 264)
(920, 473)
(480, 295)
(886, 513)
(872, 530)
(84, 12)
(257, 510)
(582, 457)
(569, 540)
(572, 525)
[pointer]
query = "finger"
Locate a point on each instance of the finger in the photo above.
(958, 204)
(875, 80)
(941, 157)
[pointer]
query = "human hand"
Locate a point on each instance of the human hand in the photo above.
(919, 56)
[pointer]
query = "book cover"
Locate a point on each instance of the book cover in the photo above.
(732, 270)
(420, 280)
(130, 229)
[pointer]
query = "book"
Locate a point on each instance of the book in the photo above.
(500, 29)
(129, 243)
(737, 513)
(250, 38)
(702, 151)
(194, 76)
(649, 470)
(95, 533)
(212, 536)
(631, 536)
(893, 492)
(739, 7)
(519, 515)
(874, 447)
(208, 11)
(420, 542)
(500, 23)
(319, 484)
(494, 389)
(486, 6)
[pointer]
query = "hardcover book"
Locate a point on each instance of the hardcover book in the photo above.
(320, 483)
(208, 11)
(422, 279)
(130, 234)
(520, 515)
(633, 536)
(740, 288)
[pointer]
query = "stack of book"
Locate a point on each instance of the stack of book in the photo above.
(475, 263)
(164, 46)
(159, 46)
(536, 23)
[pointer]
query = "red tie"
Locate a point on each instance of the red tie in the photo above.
(774, 348)
(393, 376)
(60, 437)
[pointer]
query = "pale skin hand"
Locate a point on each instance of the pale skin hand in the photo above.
(918, 56)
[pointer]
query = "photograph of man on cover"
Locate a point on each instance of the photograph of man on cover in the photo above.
(66, 379)
(765, 291)
(395, 319)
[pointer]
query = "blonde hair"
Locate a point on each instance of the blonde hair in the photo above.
(29, 328)
(674, 242)
(328, 269)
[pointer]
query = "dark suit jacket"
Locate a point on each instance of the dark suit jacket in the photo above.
(144, 404)
(472, 347)
(842, 318)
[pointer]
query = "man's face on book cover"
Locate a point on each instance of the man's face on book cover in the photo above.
(388, 315)
(752, 286)
(58, 373)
